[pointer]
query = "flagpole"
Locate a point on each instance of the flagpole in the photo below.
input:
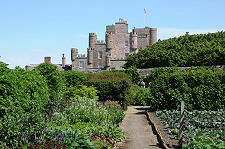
(144, 19)
(144, 16)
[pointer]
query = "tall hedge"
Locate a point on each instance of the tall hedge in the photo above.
(111, 85)
(201, 88)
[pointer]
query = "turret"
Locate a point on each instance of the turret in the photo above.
(108, 61)
(74, 53)
(90, 52)
(63, 60)
(153, 35)
(92, 40)
(133, 40)
(109, 42)
(47, 59)
(28, 67)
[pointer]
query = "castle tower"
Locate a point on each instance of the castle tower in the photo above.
(109, 42)
(74, 53)
(90, 50)
(63, 60)
(133, 41)
(153, 35)
(47, 59)
(92, 40)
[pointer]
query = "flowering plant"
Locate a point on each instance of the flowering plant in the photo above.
(115, 111)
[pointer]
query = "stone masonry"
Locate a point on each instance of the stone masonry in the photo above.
(118, 45)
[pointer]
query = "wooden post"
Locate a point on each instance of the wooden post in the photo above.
(180, 137)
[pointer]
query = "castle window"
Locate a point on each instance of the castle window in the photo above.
(81, 64)
(100, 55)
(126, 55)
(126, 43)
(132, 42)
(100, 66)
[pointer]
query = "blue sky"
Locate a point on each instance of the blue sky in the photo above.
(33, 29)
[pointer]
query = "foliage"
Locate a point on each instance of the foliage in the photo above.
(134, 74)
(196, 123)
(22, 90)
(86, 110)
(74, 78)
(3, 68)
(14, 125)
(201, 142)
(138, 96)
(115, 111)
(105, 135)
(188, 50)
(111, 85)
(76, 92)
(57, 138)
(201, 88)
(55, 80)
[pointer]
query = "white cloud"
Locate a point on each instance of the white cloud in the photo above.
(165, 33)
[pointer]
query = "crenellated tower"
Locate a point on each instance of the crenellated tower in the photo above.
(153, 36)
(134, 42)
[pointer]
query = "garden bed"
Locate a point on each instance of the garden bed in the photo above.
(165, 135)
(198, 125)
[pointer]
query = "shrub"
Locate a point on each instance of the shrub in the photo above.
(201, 89)
(55, 80)
(111, 85)
(75, 92)
(138, 96)
(22, 90)
(74, 78)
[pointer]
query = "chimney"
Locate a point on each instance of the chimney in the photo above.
(48, 59)
(28, 67)
(63, 60)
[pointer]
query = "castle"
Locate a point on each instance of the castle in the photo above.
(111, 53)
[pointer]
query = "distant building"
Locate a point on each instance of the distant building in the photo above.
(111, 53)
(118, 45)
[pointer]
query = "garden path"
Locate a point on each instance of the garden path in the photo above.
(139, 133)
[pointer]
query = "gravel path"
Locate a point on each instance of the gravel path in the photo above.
(139, 134)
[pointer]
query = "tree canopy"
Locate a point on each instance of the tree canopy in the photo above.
(188, 50)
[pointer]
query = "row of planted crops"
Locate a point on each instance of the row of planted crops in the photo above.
(200, 128)
(45, 108)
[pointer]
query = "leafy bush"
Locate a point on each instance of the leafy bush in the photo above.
(188, 50)
(74, 78)
(200, 88)
(22, 90)
(111, 85)
(55, 80)
(76, 92)
(138, 96)
(201, 142)
(3, 68)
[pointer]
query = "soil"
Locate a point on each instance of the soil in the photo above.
(171, 143)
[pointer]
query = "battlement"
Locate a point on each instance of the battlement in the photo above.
(81, 56)
(100, 42)
(121, 21)
(92, 34)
